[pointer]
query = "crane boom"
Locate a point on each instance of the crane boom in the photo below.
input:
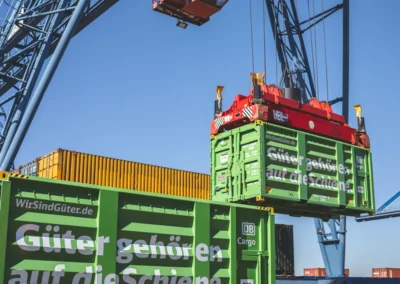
(34, 31)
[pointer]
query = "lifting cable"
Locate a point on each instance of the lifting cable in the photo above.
(312, 44)
(251, 34)
(265, 44)
(283, 42)
(316, 52)
(287, 71)
(276, 46)
(326, 62)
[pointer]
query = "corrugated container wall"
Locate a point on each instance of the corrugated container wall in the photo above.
(295, 172)
(29, 169)
(126, 236)
(319, 272)
(284, 249)
(386, 272)
(98, 170)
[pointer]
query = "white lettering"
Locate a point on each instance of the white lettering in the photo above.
(249, 243)
(68, 237)
(202, 249)
(123, 254)
(34, 241)
(218, 254)
(154, 245)
(341, 169)
(57, 274)
(84, 243)
(201, 280)
(171, 246)
(111, 279)
(157, 279)
(185, 249)
(184, 280)
(23, 277)
(86, 276)
(270, 153)
(100, 244)
(126, 275)
(140, 248)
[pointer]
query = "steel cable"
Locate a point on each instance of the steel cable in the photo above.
(265, 44)
(316, 53)
(251, 35)
(326, 62)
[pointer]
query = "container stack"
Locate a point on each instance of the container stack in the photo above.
(320, 272)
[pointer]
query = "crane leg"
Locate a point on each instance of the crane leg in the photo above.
(332, 245)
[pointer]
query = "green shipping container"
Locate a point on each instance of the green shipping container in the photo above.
(295, 172)
(63, 232)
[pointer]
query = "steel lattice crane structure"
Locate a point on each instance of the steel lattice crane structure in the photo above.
(296, 70)
(33, 31)
(36, 30)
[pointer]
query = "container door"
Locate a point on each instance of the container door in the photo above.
(255, 238)
(363, 181)
(222, 168)
(253, 268)
(249, 162)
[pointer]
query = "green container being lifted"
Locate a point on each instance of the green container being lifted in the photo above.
(62, 232)
(297, 173)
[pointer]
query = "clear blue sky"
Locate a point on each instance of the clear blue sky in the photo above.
(134, 86)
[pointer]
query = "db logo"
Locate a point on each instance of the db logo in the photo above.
(280, 116)
(227, 118)
(248, 229)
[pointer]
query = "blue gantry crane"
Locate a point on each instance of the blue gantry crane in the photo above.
(31, 32)
(381, 213)
(34, 31)
(288, 31)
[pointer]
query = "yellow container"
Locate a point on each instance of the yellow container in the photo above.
(92, 169)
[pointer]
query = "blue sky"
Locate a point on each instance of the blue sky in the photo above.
(134, 86)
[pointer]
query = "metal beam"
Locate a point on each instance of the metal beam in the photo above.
(379, 216)
(303, 50)
(380, 213)
(346, 60)
(34, 103)
(31, 34)
(333, 245)
(387, 203)
(279, 44)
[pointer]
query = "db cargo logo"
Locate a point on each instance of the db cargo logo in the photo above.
(280, 116)
(249, 229)
(227, 118)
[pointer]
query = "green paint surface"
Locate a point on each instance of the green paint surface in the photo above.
(103, 234)
(297, 173)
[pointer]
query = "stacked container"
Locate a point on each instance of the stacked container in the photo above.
(386, 272)
(98, 170)
(320, 272)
